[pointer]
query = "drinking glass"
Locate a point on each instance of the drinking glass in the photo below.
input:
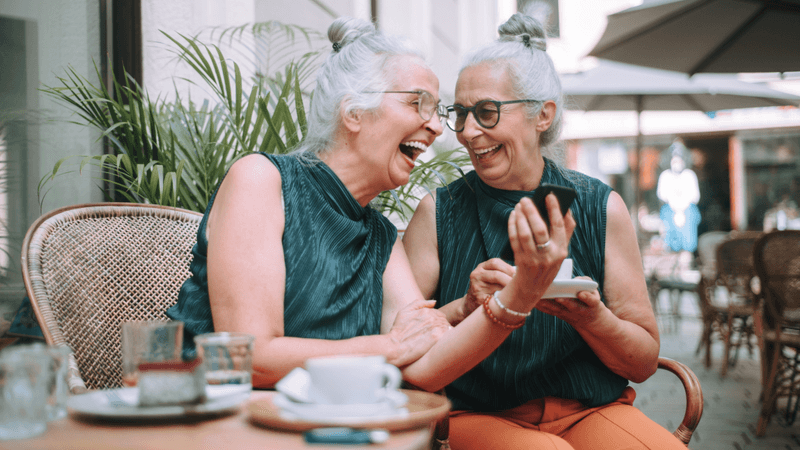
(148, 342)
(227, 358)
(25, 378)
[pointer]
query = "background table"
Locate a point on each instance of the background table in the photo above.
(233, 431)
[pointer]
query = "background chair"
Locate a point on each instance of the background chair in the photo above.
(87, 268)
(777, 261)
(712, 321)
(737, 275)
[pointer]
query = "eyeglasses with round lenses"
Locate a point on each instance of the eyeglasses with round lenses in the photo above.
(485, 112)
(427, 106)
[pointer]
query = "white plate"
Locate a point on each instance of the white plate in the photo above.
(338, 414)
(122, 403)
(569, 288)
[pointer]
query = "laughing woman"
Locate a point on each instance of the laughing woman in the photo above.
(290, 252)
(560, 381)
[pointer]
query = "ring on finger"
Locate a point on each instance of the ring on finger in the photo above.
(543, 246)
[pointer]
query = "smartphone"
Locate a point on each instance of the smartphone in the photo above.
(565, 196)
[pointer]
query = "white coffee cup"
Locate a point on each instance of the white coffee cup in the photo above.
(565, 272)
(352, 380)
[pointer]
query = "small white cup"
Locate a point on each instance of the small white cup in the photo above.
(565, 272)
(352, 380)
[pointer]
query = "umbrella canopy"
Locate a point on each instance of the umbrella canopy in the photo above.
(711, 36)
(615, 86)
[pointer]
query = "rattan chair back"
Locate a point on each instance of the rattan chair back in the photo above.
(88, 268)
(707, 245)
(735, 266)
(777, 262)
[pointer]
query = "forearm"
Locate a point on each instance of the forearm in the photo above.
(276, 357)
(454, 311)
(458, 351)
(625, 347)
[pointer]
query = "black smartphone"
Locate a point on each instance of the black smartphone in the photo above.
(565, 196)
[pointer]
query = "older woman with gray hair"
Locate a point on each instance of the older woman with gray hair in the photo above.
(290, 252)
(560, 381)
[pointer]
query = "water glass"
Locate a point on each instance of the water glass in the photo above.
(26, 376)
(227, 358)
(149, 341)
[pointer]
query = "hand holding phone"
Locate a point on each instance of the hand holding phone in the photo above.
(565, 196)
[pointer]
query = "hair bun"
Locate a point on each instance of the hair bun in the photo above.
(345, 30)
(524, 28)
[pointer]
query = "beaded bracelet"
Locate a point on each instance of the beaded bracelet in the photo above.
(510, 311)
(489, 313)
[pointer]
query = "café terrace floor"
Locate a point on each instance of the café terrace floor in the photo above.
(731, 404)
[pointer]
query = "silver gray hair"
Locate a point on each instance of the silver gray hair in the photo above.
(521, 49)
(360, 61)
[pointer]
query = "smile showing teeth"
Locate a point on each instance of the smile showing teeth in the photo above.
(484, 151)
(412, 149)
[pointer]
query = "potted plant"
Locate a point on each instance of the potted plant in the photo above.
(175, 153)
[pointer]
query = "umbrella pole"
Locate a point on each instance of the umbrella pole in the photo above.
(637, 192)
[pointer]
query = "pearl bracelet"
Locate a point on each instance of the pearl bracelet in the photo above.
(508, 326)
(510, 311)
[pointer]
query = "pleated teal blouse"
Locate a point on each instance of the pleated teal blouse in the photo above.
(335, 252)
(547, 356)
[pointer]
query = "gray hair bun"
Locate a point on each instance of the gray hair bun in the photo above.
(525, 29)
(345, 30)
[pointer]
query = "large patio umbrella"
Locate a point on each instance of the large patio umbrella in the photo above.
(706, 36)
(615, 86)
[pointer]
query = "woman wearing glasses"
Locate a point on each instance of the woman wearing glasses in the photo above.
(290, 251)
(560, 381)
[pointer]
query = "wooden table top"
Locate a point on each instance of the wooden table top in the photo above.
(234, 431)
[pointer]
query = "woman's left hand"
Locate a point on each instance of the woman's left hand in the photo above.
(579, 312)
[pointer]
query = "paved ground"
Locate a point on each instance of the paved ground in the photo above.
(731, 405)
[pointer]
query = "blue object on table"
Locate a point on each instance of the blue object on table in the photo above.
(24, 323)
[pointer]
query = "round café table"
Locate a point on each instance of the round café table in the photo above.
(240, 430)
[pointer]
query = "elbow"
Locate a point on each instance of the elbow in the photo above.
(643, 372)
(422, 383)
(262, 380)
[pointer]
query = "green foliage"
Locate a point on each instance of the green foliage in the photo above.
(176, 153)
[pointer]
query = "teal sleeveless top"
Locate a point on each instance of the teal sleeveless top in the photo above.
(547, 356)
(335, 252)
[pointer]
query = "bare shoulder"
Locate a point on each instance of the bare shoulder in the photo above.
(255, 171)
(423, 222)
(251, 188)
(616, 210)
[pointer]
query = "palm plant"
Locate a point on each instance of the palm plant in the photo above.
(176, 153)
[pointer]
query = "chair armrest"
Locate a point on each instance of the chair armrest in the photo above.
(694, 397)
(74, 380)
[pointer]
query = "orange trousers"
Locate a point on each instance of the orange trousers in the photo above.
(557, 424)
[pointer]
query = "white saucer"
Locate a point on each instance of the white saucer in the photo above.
(338, 414)
(569, 288)
(122, 403)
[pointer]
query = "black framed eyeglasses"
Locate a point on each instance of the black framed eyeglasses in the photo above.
(427, 106)
(485, 112)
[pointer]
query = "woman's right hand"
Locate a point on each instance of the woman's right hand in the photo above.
(415, 330)
(489, 277)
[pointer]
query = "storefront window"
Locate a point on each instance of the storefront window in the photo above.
(773, 182)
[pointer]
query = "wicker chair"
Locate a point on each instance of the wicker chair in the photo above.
(736, 273)
(87, 268)
(777, 260)
(713, 322)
